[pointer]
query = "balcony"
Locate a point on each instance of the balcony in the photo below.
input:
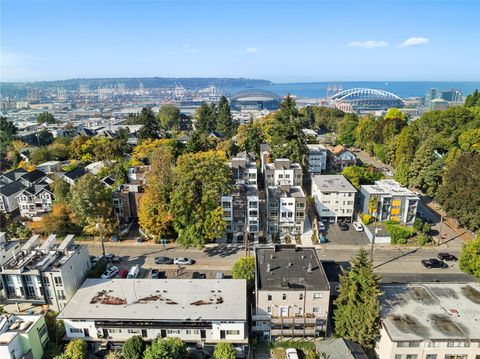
(293, 320)
(294, 332)
(263, 317)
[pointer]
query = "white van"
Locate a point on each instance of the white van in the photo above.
(133, 272)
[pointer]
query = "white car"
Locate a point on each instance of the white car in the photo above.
(109, 273)
(183, 261)
(358, 226)
(321, 226)
(291, 353)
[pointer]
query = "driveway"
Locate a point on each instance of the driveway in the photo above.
(351, 237)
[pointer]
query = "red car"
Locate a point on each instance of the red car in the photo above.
(123, 273)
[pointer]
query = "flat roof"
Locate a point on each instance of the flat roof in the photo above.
(333, 183)
(286, 191)
(434, 311)
(159, 299)
(287, 267)
(388, 187)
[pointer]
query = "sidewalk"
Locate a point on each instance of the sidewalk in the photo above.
(307, 234)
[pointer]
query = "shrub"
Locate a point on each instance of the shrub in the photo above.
(366, 219)
(426, 228)
(418, 224)
(399, 233)
(423, 239)
(98, 268)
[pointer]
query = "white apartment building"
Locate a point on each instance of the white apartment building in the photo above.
(334, 197)
(241, 210)
(317, 159)
(201, 312)
(430, 321)
(292, 293)
(286, 210)
(45, 273)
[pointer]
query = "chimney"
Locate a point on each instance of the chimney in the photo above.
(309, 269)
(268, 267)
(290, 264)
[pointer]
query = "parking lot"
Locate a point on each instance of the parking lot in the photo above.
(351, 237)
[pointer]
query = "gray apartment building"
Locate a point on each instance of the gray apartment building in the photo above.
(292, 293)
(286, 210)
(46, 273)
(283, 172)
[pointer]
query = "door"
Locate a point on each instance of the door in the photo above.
(144, 333)
(222, 334)
(284, 311)
(105, 333)
(163, 333)
(203, 334)
(86, 333)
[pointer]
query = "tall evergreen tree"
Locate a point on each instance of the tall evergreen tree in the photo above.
(206, 118)
(225, 124)
(151, 126)
(357, 313)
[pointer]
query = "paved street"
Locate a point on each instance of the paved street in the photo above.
(396, 262)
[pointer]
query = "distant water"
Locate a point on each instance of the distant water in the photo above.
(400, 88)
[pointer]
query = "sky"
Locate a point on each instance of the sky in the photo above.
(281, 41)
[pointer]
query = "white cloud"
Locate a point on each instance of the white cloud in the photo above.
(368, 44)
(251, 50)
(414, 41)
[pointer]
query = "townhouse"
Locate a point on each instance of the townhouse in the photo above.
(283, 172)
(317, 159)
(393, 202)
(286, 210)
(334, 197)
(292, 293)
(201, 312)
(46, 273)
(35, 200)
(126, 200)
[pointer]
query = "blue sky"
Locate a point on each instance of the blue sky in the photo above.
(277, 40)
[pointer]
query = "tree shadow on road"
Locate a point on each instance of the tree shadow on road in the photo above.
(222, 250)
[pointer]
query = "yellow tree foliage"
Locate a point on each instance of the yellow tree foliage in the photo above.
(26, 165)
(142, 152)
(58, 221)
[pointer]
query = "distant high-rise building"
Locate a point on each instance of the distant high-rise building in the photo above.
(447, 95)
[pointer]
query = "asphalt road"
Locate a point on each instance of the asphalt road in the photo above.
(396, 263)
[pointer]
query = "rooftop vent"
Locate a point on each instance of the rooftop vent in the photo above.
(290, 264)
(268, 267)
(309, 269)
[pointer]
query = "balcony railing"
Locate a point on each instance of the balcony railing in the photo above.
(293, 320)
(294, 332)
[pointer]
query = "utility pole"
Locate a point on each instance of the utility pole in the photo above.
(440, 234)
(373, 240)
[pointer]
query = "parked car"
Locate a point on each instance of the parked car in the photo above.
(343, 226)
(291, 353)
(122, 273)
(434, 263)
(321, 226)
(116, 239)
(447, 257)
(133, 272)
(219, 275)
(111, 258)
(155, 274)
(183, 261)
(163, 260)
(110, 272)
(331, 220)
(198, 275)
(358, 226)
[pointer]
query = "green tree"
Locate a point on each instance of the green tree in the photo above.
(249, 137)
(469, 140)
(115, 355)
(346, 129)
(402, 173)
(61, 189)
(358, 175)
(201, 179)
(7, 134)
(199, 142)
(424, 157)
(76, 349)
(473, 99)
(151, 126)
(133, 348)
(45, 117)
(365, 132)
(169, 348)
(44, 137)
(458, 194)
(224, 351)
(225, 124)
(206, 116)
(169, 117)
(244, 268)
(90, 202)
(357, 313)
(470, 258)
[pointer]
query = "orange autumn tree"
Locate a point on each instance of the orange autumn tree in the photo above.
(58, 221)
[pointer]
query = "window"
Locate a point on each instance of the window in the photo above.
(300, 296)
(269, 310)
(316, 309)
(60, 294)
(58, 281)
(253, 204)
(227, 213)
(226, 205)
(300, 205)
(233, 332)
(284, 215)
(433, 344)
(134, 331)
(269, 297)
(284, 296)
(406, 356)
(458, 344)
(173, 331)
(456, 356)
(300, 214)
(75, 330)
(431, 356)
(317, 295)
(42, 331)
(114, 330)
(408, 344)
(290, 214)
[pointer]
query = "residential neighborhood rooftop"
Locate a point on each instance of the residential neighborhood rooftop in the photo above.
(162, 299)
(434, 311)
(333, 183)
(289, 267)
(388, 186)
